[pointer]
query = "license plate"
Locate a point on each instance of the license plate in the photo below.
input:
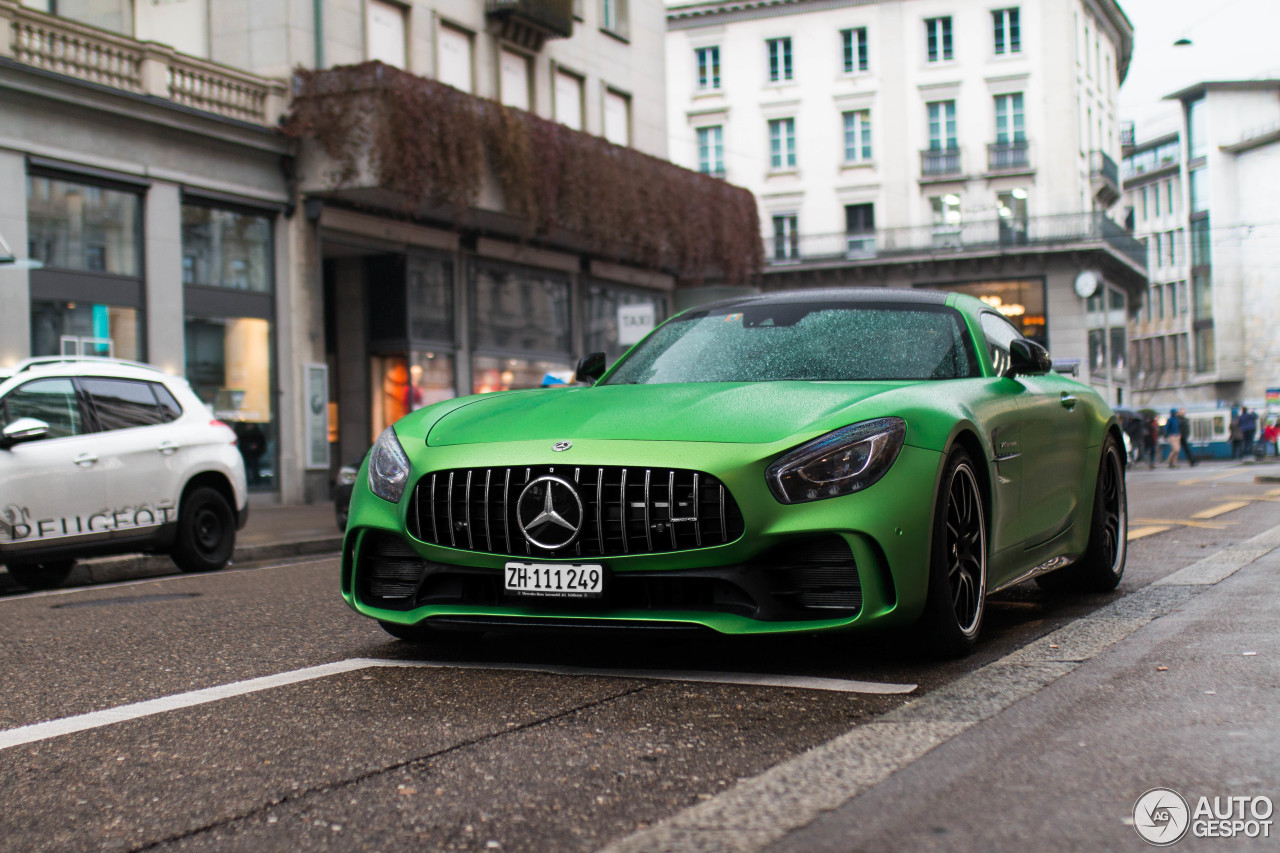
(554, 580)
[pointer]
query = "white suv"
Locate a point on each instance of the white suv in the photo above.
(99, 456)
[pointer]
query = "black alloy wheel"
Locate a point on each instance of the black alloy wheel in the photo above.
(958, 565)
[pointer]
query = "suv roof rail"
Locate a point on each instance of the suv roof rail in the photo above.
(45, 360)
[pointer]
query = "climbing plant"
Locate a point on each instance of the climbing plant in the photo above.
(435, 145)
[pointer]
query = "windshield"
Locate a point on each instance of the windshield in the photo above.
(831, 342)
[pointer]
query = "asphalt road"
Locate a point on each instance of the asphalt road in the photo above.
(495, 755)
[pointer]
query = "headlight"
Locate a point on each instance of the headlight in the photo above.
(838, 463)
(347, 475)
(388, 467)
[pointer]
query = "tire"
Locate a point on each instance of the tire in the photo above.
(206, 532)
(1101, 566)
(44, 575)
(952, 617)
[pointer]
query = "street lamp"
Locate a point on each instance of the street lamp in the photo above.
(8, 259)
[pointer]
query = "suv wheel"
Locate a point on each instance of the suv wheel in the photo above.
(206, 532)
(41, 575)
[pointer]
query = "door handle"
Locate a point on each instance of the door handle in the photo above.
(167, 448)
(86, 460)
(1068, 400)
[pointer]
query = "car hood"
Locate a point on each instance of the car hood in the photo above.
(735, 413)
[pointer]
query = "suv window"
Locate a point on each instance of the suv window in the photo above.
(1000, 333)
(50, 400)
(123, 403)
(172, 410)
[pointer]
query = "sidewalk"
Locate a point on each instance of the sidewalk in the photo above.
(272, 533)
(1171, 686)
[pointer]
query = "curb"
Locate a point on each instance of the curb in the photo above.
(137, 566)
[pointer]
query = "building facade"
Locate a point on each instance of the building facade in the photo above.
(144, 166)
(1200, 198)
(925, 143)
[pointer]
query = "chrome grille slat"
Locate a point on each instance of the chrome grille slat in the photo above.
(711, 518)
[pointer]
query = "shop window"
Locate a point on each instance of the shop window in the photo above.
(75, 226)
(616, 318)
(229, 367)
(1020, 301)
(520, 310)
(495, 373)
(225, 248)
(81, 328)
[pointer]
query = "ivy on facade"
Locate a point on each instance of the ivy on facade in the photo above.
(435, 145)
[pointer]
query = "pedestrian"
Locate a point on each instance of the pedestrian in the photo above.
(1271, 436)
(1134, 428)
(1237, 439)
(1248, 427)
(1150, 440)
(1184, 433)
(1173, 434)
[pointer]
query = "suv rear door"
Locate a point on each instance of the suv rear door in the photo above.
(54, 488)
(142, 456)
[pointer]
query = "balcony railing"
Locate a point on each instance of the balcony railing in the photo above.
(66, 47)
(940, 163)
(1105, 176)
(991, 234)
(1008, 156)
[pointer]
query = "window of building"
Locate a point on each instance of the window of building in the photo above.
(786, 236)
(611, 314)
(1169, 195)
(568, 103)
(521, 311)
(1020, 301)
(455, 65)
(1199, 183)
(1146, 210)
(614, 17)
(782, 143)
(779, 59)
(1202, 297)
(384, 31)
(1008, 32)
(1197, 141)
(1206, 357)
(708, 67)
(942, 125)
(617, 117)
(1159, 294)
(77, 226)
(945, 212)
(860, 229)
(514, 79)
(938, 38)
(1157, 256)
(711, 150)
(1200, 242)
(1010, 124)
(226, 248)
(854, 44)
(229, 365)
(1155, 199)
(1011, 209)
(63, 327)
(857, 136)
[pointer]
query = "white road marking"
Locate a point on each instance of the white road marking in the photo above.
(136, 710)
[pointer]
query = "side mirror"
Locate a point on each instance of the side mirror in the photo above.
(23, 429)
(1028, 358)
(590, 367)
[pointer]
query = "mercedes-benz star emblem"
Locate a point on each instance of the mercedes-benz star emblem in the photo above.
(549, 512)
(560, 446)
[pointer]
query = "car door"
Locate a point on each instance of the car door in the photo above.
(54, 490)
(141, 454)
(1053, 442)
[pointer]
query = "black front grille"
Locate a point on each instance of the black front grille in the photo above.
(624, 510)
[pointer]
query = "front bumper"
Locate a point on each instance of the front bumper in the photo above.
(842, 563)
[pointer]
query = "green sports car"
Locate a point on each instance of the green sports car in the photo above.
(797, 462)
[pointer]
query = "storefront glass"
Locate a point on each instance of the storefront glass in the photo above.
(78, 328)
(520, 309)
(224, 248)
(1022, 302)
(494, 373)
(75, 226)
(229, 368)
(616, 318)
(401, 385)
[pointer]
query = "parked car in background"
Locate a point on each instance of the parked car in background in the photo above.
(805, 461)
(100, 456)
